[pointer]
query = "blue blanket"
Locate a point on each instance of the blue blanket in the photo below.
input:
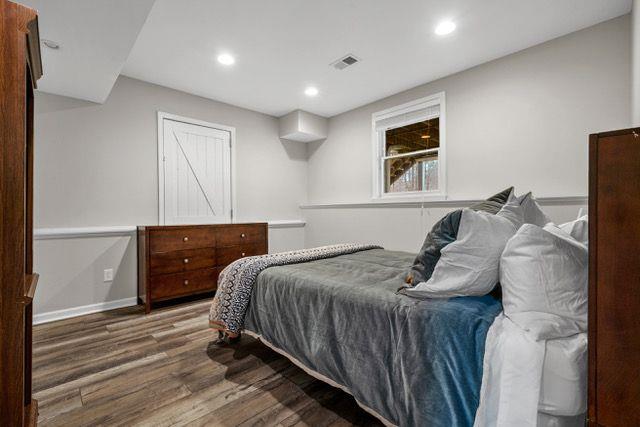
(414, 362)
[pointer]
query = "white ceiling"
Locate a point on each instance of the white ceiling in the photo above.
(95, 38)
(281, 46)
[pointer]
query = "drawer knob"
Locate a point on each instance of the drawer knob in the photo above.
(186, 282)
(243, 235)
(242, 253)
(185, 239)
(186, 260)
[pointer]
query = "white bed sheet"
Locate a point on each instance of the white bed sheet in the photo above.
(564, 376)
(546, 420)
(531, 383)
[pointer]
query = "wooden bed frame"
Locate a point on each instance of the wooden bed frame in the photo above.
(614, 278)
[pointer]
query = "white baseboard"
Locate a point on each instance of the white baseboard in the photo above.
(52, 316)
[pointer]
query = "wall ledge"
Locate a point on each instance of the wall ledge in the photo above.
(74, 232)
(295, 223)
(546, 201)
(124, 230)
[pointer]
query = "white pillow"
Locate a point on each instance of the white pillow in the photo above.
(543, 273)
(533, 213)
(470, 265)
(578, 229)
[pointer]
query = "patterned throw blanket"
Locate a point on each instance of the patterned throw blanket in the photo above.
(237, 279)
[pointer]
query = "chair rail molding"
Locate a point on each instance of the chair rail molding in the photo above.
(545, 201)
(76, 232)
(125, 230)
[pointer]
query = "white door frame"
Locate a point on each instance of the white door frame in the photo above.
(161, 174)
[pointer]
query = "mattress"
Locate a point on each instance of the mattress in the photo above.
(411, 362)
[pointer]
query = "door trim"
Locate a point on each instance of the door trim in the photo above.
(160, 148)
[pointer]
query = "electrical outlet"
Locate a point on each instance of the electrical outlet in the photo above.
(108, 275)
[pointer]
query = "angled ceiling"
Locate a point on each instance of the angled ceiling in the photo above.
(282, 46)
(95, 38)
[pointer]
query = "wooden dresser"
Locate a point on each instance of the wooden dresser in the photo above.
(20, 68)
(614, 279)
(182, 260)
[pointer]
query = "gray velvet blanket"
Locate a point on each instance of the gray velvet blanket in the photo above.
(414, 362)
(236, 281)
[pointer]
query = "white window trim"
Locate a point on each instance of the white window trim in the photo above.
(161, 174)
(378, 193)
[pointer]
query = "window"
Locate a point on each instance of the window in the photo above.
(409, 150)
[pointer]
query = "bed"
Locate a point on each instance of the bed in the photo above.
(407, 361)
(443, 351)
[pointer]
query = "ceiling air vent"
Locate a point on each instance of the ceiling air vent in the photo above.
(344, 62)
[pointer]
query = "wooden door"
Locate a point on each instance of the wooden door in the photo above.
(197, 174)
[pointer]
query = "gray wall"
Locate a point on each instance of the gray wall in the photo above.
(521, 120)
(96, 165)
(400, 228)
(71, 274)
(635, 67)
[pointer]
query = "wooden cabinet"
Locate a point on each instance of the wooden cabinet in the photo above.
(20, 68)
(182, 260)
(614, 279)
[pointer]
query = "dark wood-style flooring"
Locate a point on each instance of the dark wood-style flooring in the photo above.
(126, 368)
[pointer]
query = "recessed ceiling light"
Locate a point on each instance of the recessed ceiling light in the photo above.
(226, 59)
(444, 28)
(311, 91)
(50, 44)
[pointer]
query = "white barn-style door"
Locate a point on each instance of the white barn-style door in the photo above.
(195, 185)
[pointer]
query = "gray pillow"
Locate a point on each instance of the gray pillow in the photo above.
(444, 232)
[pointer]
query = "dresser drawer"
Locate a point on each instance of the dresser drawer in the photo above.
(168, 240)
(240, 234)
(226, 255)
(172, 285)
(179, 261)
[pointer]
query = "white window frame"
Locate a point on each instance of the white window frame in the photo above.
(160, 150)
(378, 144)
